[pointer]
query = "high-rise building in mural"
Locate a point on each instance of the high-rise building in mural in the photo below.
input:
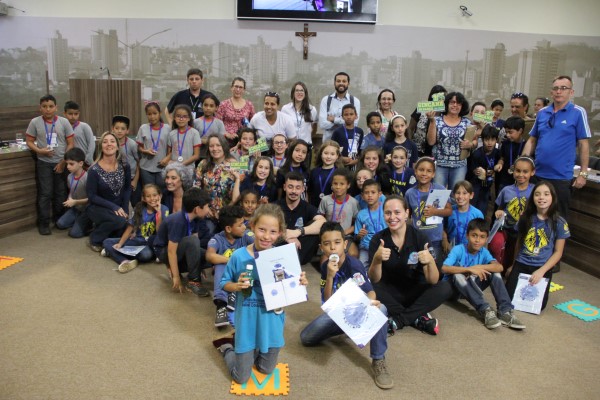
(58, 58)
(105, 50)
(222, 60)
(414, 73)
(494, 61)
(261, 61)
(538, 67)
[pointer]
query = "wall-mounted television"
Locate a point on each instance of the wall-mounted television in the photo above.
(357, 11)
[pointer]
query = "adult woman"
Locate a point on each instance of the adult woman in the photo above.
(303, 113)
(419, 124)
(385, 102)
(540, 103)
(447, 133)
(236, 111)
(214, 176)
(403, 271)
(108, 192)
(178, 178)
(271, 121)
(519, 107)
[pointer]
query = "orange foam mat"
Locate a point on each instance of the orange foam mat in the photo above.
(277, 383)
(6, 262)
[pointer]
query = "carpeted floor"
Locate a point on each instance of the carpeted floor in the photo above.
(71, 327)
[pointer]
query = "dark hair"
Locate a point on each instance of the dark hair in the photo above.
(545, 101)
(209, 162)
(294, 176)
(249, 192)
(478, 103)
(48, 97)
(120, 118)
(423, 159)
(271, 178)
(210, 96)
(195, 197)
(496, 103)
(490, 131)
(396, 197)
(71, 105)
(479, 224)
(526, 159)
(523, 97)
(436, 89)
(305, 105)
(382, 92)
(460, 98)
(516, 123)
(343, 172)
(526, 219)
(245, 129)
(75, 154)
(331, 226)
(464, 184)
(381, 167)
(348, 107)
(390, 135)
(238, 78)
(336, 146)
(194, 71)
(155, 105)
(139, 207)
(287, 164)
(371, 182)
(228, 215)
(343, 74)
(272, 94)
(188, 110)
(373, 114)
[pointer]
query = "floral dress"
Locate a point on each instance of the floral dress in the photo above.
(218, 181)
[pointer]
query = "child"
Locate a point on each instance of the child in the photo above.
(208, 123)
(261, 181)
(152, 140)
(140, 231)
(541, 240)
(511, 203)
(396, 136)
(334, 273)
(54, 137)
(279, 146)
(509, 152)
(349, 137)
(184, 141)
(84, 137)
(177, 242)
(295, 160)
(402, 177)
(129, 149)
(259, 333)
(478, 107)
(362, 175)
(249, 202)
(319, 184)
(370, 220)
(372, 159)
(340, 206)
(455, 226)
(416, 198)
(373, 138)
(220, 248)
(472, 269)
(247, 138)
(497, 107)
(75, 216)
(481, 166)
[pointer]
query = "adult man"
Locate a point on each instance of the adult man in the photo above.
(519, 106)
(271, 121)
(302, 219)
(558, 130)
(330, 113)
(192, 96)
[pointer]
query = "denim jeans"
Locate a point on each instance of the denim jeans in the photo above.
(147, 177)
(363, 256)
(75, 219)
(52, 192)
(190, 257)
(218, 293)
(240, 364)
(107, 224)
(472, 288)
(448, 177)
(323, 328)
(146, 255)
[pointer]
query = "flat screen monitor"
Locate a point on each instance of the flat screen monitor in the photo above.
(356, 11)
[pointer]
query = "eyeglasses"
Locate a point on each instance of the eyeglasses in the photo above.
(279, 142)
(239, 87)
(560, 88)
(518, 95)
(182, 117)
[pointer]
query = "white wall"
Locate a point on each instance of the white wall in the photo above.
(560, 17)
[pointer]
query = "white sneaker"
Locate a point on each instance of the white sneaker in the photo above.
(103, 253)
(127, 266)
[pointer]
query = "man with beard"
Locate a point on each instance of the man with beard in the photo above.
(330, 113)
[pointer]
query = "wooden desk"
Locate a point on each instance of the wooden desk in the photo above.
(18, 193)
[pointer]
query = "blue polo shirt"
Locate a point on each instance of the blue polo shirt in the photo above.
(557, 134)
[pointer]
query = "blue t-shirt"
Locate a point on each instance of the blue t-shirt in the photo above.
(416, 203)
(225, 248)
(457, 223)
(401, 182)
(256, 328)
(362, 204)
(459, 256)
(513, 201)
(175, 227)
(411, 149)
(148, 226)
(541, 235)
(370, 140)
(372, 221)
(351, 268)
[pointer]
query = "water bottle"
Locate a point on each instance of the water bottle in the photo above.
(248, 291)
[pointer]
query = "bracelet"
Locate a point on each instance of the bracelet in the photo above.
(584, 175)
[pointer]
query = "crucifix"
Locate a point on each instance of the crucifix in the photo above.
(305, 35)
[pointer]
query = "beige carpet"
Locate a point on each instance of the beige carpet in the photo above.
(71, 327)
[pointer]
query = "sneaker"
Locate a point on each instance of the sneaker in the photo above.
(231, 301)
(392, 326)
(383, 380)
(103, 253)
(198, 289)
(221, 317)
(510, 319)
(223, 349)
(490, 319)
(127, 266)
(426, 323)
(44, 230)
(94, 247)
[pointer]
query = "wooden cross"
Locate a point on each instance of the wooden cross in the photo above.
(305, 35)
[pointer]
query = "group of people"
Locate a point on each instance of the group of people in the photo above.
(207, 194)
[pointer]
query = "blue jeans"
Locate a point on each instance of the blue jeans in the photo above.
(106, 222)
(240, 364)
(146, 255)
(52, 192)
(448, 177)
(156, 178)
(323, 328)
(363, 256)
(77, 220)
(472, 288)
(218, 293)
(190, 257)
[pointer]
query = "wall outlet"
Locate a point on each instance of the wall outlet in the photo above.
(3, 9)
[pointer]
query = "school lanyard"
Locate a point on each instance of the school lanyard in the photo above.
(379, 218)
(180, 144)
(189, 226)
(75, 125)
(350, 146)
(337, 219)
(321, 184)
(155, 144)
(205, 129)
(420, 212)
(275, 162)
(73, 189)
(49, 134)
(511, 152)
(194, 104)
(401, 178)
(459, 233)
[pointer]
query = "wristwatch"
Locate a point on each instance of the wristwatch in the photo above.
(301, 231)
(584, 174)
